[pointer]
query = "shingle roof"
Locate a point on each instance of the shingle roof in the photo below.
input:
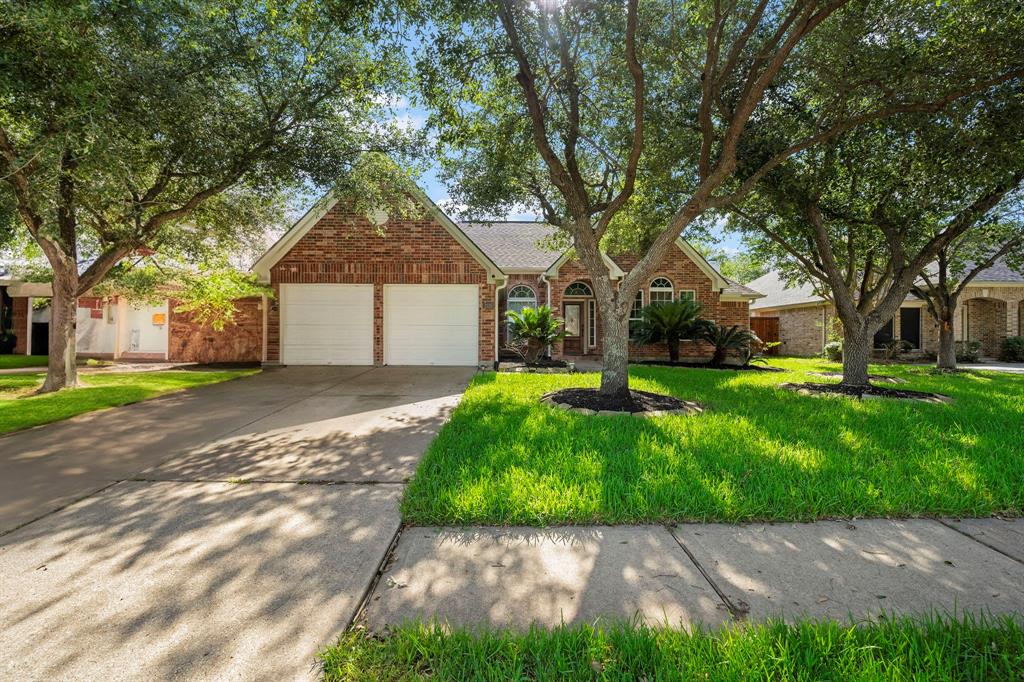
(513, 245)
(999, 272)
(737, 289)
(777, 292)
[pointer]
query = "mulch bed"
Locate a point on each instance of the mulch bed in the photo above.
(865, 393)
(706, 365)
(639, 403)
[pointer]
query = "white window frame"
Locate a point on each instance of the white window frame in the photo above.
(634, 312)
(661, 289)
(590, 292)
(510, 299)
(693, 294)
(592, 323)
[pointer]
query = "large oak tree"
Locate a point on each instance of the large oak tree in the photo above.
(129, 124)
(650, 116)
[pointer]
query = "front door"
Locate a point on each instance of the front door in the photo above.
(573, 343)
(910, 326)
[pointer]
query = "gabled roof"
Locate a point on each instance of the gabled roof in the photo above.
(328, 201)
(614, 271)
(516, 246)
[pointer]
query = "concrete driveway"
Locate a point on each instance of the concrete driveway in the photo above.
(227, 532)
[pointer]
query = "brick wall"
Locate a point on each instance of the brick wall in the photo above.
(345, 248)
(802, 331)
(19, 323)
(684, 275)
(531, 280)
(240, 341)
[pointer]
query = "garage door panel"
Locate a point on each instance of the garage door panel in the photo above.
(327, 324)
(432, 324)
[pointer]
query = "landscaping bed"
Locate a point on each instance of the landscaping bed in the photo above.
(707, 365)
(758, 452)
(543, 366)
(639, 403)
(893, 649)
(866, 392)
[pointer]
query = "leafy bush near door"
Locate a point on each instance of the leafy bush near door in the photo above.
(968, 351)
(1012, 349)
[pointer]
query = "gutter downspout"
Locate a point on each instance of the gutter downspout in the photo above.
(497, 322)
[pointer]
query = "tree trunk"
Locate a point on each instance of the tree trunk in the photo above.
(673, 350)
(615, 375)
(857, 344)
(946, 358)
(61, 371)
(533, 349)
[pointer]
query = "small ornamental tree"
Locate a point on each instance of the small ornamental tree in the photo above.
(957, 265)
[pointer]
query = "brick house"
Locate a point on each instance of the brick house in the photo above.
(353, 289)
(991, 309)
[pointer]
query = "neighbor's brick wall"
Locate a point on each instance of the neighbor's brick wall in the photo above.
(239, 341)
(684, 275)
(802, 331)
(19, 322)
(345, 248)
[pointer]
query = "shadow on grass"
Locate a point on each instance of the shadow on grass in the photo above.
(758, 453)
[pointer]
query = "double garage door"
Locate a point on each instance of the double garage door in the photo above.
(424, 324)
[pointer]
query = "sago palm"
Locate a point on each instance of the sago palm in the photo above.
(725, 339)
(669, 322)
(537, 327)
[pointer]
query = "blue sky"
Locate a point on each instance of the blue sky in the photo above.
(415, 117)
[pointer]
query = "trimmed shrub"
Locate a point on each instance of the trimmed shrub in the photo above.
(833, 350)
(1012, 349)
(968, 351)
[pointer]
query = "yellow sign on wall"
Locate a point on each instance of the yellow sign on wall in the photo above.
(159, 318)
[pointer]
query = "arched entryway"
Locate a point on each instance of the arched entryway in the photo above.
(984, 320)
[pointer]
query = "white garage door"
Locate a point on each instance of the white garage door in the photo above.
(431, 324)
(327, 324)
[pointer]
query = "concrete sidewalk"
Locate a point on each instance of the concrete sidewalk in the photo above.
(707, 573)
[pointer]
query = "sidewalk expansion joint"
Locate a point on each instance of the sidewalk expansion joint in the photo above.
(980, 542)
(385, 563)
(61, 508)
(738, 611)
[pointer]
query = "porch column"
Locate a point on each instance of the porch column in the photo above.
(1012, 316)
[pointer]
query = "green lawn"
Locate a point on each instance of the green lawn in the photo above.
(19, 361)
(899, 649)
(759, 452)
(19, 409)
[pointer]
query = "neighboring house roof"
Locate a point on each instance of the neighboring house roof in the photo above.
(283, 245)
(515, 246)
(998, 272)
(739, 290)
(779, 294)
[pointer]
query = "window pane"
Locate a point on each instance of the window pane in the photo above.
(687, 295)
(638, 305)
(661, 296)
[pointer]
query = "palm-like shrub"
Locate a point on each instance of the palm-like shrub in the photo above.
(536, 329)
(669, 322)
(725, 339)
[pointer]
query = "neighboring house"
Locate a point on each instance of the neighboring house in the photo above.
(109, 328)
(991, 309)
(357, 290)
